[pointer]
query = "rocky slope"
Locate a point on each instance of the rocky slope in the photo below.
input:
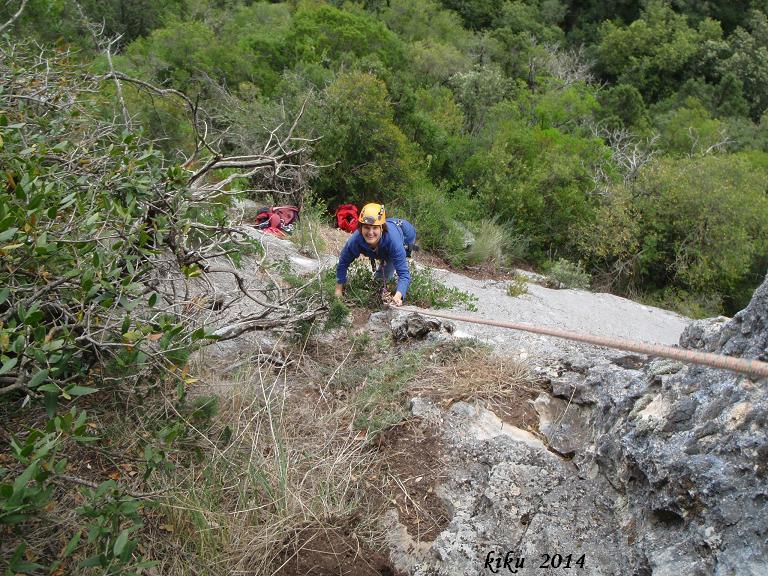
(642, 466)
(647, 467)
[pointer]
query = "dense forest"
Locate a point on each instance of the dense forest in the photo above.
(623, 145)
(628, 138)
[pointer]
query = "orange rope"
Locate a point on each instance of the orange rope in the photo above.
(741, 365)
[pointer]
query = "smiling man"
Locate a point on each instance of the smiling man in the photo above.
(388, 241)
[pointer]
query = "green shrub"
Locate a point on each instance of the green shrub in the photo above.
(517, 286)
(426, 291)
(435, 216)
(566, 274)
(337, 313)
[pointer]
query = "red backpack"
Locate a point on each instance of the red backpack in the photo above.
(277, 220)
(346, 217)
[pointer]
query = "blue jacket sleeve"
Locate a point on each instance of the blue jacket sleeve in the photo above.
(348, 254)
(400, 262)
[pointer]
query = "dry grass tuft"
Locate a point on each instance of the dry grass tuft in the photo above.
(292, 469)
(334, 239)
(475, 373)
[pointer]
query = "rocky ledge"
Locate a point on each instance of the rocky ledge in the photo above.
(644, 467)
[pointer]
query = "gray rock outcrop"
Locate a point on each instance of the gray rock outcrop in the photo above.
(648, 468)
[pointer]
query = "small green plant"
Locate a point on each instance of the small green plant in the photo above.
(428, 292)
(381, 402)
(566, 274)
(114, 520)
(337, 313)
(424, 291)
(517, 286)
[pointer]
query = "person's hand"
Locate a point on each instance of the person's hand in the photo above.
(397, 299)
(339, 290)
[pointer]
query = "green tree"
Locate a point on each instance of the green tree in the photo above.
(656, 53)
(436, 124)
(324, 34)
(539, 179)
(426, 20)
(477, 14)
(622, 106)
(748, 62)
(697, 224)
(690, 129)
(366, 156)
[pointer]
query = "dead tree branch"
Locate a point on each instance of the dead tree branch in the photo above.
(13, 18)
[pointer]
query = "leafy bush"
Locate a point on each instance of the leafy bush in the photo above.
(566, 274)
(88, 215)
(517, 286)
(424, 291)
(435, 216)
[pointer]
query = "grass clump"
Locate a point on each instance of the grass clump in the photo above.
(489, 246)
(381, 402)
(307, 232)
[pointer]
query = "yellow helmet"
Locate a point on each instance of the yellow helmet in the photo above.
(372, 214)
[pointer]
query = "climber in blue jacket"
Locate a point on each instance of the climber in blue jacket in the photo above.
(387, 240)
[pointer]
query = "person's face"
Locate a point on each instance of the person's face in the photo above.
(371, 234)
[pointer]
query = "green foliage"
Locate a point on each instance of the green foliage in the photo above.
(436, 216)
(563, 273)
(697, 225)
(52, 21)
(109, 516)
(38, 453)
(656, 52)
(337, 314)
(84, 236)
(623, 106)
(242, 48)
(367, 155)
(382, 403)
(689, 129)
(426, 21)
(747, 61)
(324, 34)
(517, 286)
(566, 108)
(426, 291)
(704, 221)
(477, 91)
(538, 179)
(490, 245)
(114, 518)
(477, 14)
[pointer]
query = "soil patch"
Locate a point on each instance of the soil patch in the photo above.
(476, 272)
(413, 457)
(334, 552)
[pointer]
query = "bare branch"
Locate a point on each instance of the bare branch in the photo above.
(14, 17)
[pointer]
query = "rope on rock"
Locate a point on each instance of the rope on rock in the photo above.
(741, 365)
